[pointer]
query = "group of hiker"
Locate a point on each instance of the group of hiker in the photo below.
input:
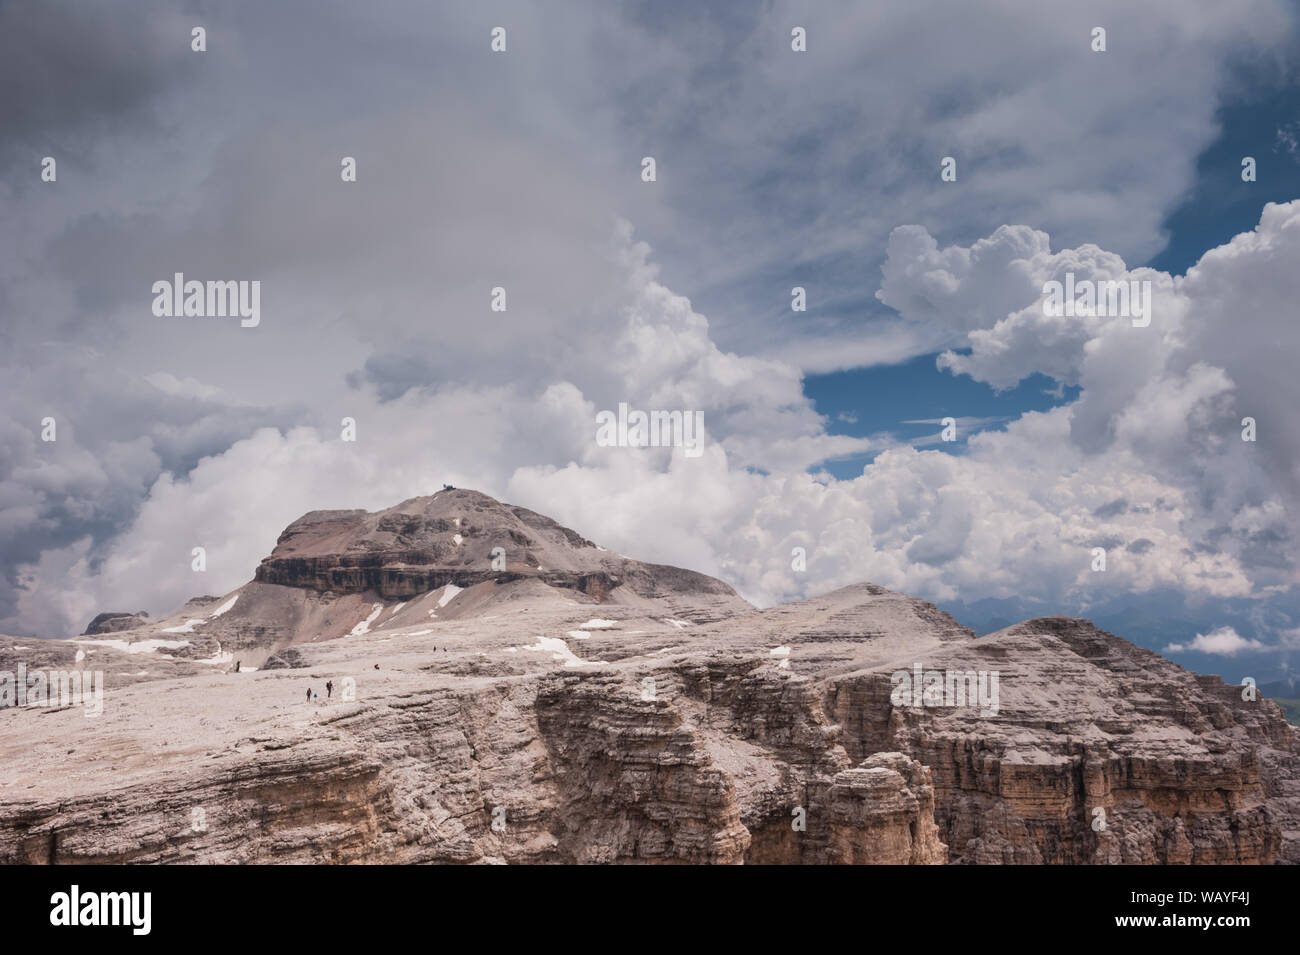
(329, 692)
(329, 685)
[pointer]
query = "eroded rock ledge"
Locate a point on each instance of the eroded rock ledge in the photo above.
(570, 768)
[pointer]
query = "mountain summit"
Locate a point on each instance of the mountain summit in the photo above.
(462, 538)
(457, 553)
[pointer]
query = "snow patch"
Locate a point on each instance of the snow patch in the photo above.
(363, 627)
(449, 593)
(599, 623)
(224, 607)
(560, 652)
(187, 627)
(397, 608)
(679, 624)
(579, 635)
(418, 633)
(458, 539)
(784, 653)
(219, 658)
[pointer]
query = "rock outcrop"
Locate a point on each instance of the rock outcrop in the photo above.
(1099, 752)
(462, 538)
(112, 622)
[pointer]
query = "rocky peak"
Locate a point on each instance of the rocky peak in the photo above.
(115, 621)
(458, 537)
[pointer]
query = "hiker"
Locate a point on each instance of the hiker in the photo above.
(308, 694)
(329, 689)
(236, 666)
(376, 666)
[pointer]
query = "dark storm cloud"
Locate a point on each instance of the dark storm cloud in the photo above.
(1112, 509)
(74, 71)
(392, 375)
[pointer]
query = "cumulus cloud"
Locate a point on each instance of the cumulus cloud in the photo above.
(1154, 468)
(1022, 508)
(1223, 642)
(1171, 395)
(1044, 132)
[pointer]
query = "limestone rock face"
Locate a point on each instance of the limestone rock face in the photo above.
(1100, 752)
(580, 707)
(882, 813)
(572, 767)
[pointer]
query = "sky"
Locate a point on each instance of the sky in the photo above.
(522, 169)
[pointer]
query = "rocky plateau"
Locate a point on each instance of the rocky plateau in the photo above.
(506, 691)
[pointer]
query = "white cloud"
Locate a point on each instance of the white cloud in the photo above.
(1168, 398)
(1224, 642)
(1021, 510)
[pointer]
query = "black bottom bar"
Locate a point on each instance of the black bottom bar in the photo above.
(314, 906)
